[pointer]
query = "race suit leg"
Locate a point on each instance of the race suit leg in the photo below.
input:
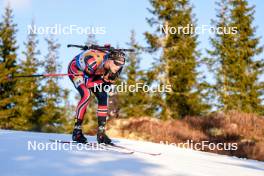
(102, 109)
(84, 92)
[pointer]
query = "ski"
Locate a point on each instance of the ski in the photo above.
(113, 145)
(136, 151)
(96, 145)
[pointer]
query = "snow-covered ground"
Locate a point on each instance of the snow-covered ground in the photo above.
(17, 160)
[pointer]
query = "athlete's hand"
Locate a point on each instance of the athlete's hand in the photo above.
(106, 79)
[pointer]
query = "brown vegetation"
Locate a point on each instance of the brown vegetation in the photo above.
(247, 130)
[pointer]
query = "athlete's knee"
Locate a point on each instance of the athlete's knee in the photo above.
(84, 92)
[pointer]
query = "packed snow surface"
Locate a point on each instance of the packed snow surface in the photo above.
(18, 157)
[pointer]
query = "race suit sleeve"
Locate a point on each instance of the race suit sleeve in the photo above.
(91, 65)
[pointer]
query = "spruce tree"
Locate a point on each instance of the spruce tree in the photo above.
(133, 104)
(52, 119)
(30, 102)
(8, 67)
(234, 57)
(68, 111)
(179, 59)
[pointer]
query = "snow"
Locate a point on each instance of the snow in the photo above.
(17, 160)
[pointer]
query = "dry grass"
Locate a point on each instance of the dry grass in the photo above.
(247, 130)
(153, 129)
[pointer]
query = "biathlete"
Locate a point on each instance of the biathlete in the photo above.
(88, 69)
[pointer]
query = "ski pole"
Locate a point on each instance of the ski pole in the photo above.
(46, 75)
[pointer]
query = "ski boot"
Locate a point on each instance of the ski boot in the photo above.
(78, 136)
(102, 137)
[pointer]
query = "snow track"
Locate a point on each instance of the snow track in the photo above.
(17, 160)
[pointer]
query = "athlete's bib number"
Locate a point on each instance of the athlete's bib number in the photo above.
(78, 81)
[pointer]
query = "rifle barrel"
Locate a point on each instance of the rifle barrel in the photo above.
(103, 48)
